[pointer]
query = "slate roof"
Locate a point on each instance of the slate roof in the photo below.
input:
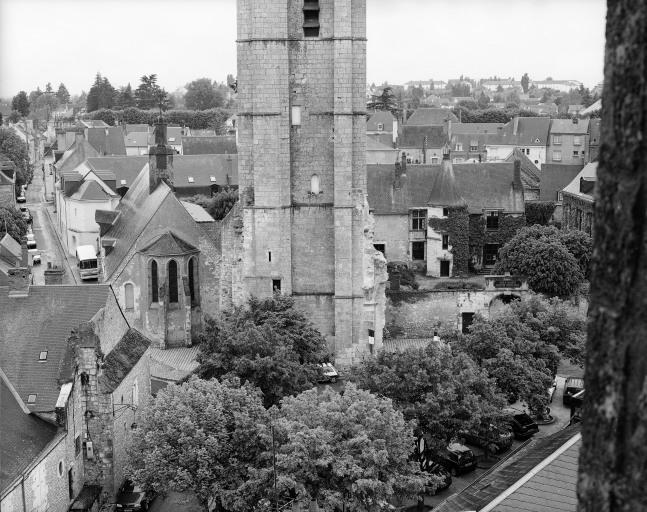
(11, 246)
(425, 116)
(122, 358)
(375, 145)
(107, 141)
(136, 139)
(413, 136)
(75, 155)
(23, 437)
(197, 212)
(168, 244)
(385, 138)
(554, 177)
(215, 145)
(135, 210)
(202, 167)
(381, 116)
(529, 171)
(172, 132)
(42, 321)
(485, 185)
(443, 190)
(90, 190)
(567, 126)
(552, 488)
(594, 132)
(476, 128)
(129, 128)
(94, 123)
(531, 131)
(589, 172)
(173, 364)
(125, 168)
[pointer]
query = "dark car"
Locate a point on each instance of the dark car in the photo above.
(523, 426)
(572, 387)
(494, 438)
(132, 498)
(436, 469)
(26, 214)
(456, 458)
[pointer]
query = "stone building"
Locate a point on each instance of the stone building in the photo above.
(578, 200)
(7, 182)
(301, 165)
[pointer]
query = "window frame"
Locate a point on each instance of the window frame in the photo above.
(557, 140)
(173, 286)
(557, 156)
(418, 244)
(445, 242)
(154, 281)
(577, 140)
(490, 217)
(418, 218)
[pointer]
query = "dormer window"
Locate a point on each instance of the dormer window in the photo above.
(171, 139)
(191, 180)
(43, 356)
(212, 179)
(380, 127)
(31, 399)
(311, 18)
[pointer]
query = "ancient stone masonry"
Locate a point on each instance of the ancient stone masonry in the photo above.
(302, 167)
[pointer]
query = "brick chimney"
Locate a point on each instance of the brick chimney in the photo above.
(160, 158)
(53, 274)
(516, 176)
(515, 125)
(19, 281)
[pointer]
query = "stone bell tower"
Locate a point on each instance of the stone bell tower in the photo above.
(302, 165)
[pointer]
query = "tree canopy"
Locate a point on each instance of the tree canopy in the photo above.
(384, 101)
(269, 343)
(525, 82)
(219, 204)
(17, 151)
(101, 95)
(208, 437)
(149, 95)
(11, 222)
(345, 451)
(20, 103)
(62, 94)
(202, 94)
(541, 253)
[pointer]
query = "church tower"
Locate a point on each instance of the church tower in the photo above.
(302, 165)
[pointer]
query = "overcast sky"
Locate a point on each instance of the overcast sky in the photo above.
(70, 40)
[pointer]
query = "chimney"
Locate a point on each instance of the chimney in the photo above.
(575, 120)
(160, 158)
(78, 137)
(19, 281)
(447, 128)
(516, 176)
(425, 139)
(403, 165)
(53, 274)
(515, 125)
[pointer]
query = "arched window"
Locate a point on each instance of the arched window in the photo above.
(154, 282)
(129, 292)
(192, 278)
(172, 282)
(314, 184)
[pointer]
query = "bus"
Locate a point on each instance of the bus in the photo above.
(86, 256)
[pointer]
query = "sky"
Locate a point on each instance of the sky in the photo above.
(70, 41)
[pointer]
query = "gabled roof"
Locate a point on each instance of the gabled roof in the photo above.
(212, 145)
(107, 141)
(24, 435)
(483, 186)
(567, 126)
(413, 136)
(383, 117)
(91, 190)
(425, 116)
(444, 191)
(10, 247)
(168, 244)
(541, 476)
(197, 212)
(173, 364)
(75, 155)
(122, 358)
(476, 128)
(589, 173)
(125, 168)
(224, 169)
(136, 139)
(174, 136)
(529, 171)
(554, 177)
(594, 107)
(42, 321)
(530, 131)
(385, 138)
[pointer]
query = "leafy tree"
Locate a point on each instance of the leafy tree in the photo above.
(16, 150)
(14, 117)
(48, 88)
(219, 204)
(460, 90)
(1, 119)
(201, 94)
(539, 212)
(483, 100)
(385, 101)
(62, 94)
(268, 343)
(149, 95)
(525, 82)
(33, 95)
(468, 104)
(208, 437)
(47, 102)
(444, 391)
(20, 103)
(346, 451)
(101, 95)
(125, 98)
(538, 253)
(11, 222)
(580, 245)
(105, 115)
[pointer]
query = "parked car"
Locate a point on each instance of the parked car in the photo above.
(21, 199)
(456, 458)
(132, 498)
(329, 374)
(551, 391)
(26, 214)
(436, 469)
(31, 241)
(494, 438)
(35, 256)
(523, 426)
(572, 387)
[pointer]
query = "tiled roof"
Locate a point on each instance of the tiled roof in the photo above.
(216, 145)
(201, 168)
(375, 145)
(431, 116)
(414, 136)
(403, 344)
(554, 177)
(589, 171)
(75, 155)
(443, 190)
(125, 168)
(11, 246)
(129, 128)
(569, 127)
(595, 107)
(486, 185)
(173, 364)
(383, 117)
(531, 131)
(23, 436)
(168, 244)
(136, 139)
(107, 141)
(90, 190)
(552, 487)
(197, 212)
(529, 171)
(385, 138)
(122, 358)
(42, 321)
(476, 128)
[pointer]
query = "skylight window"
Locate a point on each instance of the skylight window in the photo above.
(212, 179)
(171, 139)
(31, 399)
(122, 182)
(191, 180)
(43, 356)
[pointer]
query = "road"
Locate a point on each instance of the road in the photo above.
(47, 240)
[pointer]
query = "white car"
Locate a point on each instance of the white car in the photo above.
(329, 373)
(35, 256)
(551, 391)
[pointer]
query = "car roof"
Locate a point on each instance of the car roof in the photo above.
(457, 447)
(575, 382)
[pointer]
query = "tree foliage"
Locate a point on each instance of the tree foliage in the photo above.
(204, 119)
(539, 212)
(20, 103)
(125, 97)
(101, 95)
(208, 437)
(346, 451)
(384, 101)
(202, 94)
(443, 390)
(62, 94)
(269, 343)
(538, 253)
(149, 95)
(525, 82)
(219, 204)
(17, 151)
(11, 222)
